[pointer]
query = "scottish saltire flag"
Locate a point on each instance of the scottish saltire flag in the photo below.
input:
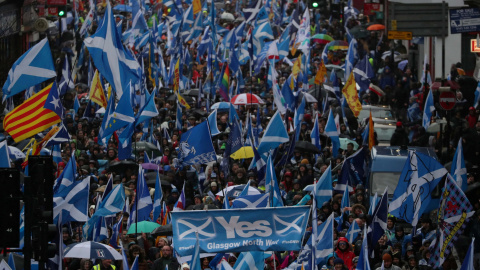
(122, 116)
(352, 56)
(373, 204)
(148, 111)
(299, 113)
(115, 63)
(11, 262)
(196, 146)
(251, 201)
(101, 232)
(420, 175)
(251, 11)
(110, 205)
(250, 260)
(476, 101)
(195, 263)
(212, 122)
(245, 189)
(271, 185)
(287, 93)
(59, 137)
(363, 71)
(345, 201)
(363, 263)
(324, 240)
(379, 221)
(33, 67)
(157, 199)
(454, 213)
(178, 117)
(468, 262)
(260, 33)
(323, 187)
(72, 202)
(259, 164)
(315, 135)
(331, 131)
(144, 203)
(57, 153)
(353, 171)
(67, 177)
(66, 81)
(458, 169)
(180, 204)
(4, 155)
(116, 231)
(274, 135)
(353, 232)
(428, 108)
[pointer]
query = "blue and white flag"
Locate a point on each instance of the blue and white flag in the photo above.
(66, 81)
(363, 263)
(260, 33)
(420, 175)
(212, 122)
(53, 101)
(332, 133)
(345, 201)
(115, 63)
(250, 260)
(72, 202)
(458, 169)
(324, 244)
(251, 11)
(271, 185)
(195, 263)
(144, 203)
(323, 187)
(67, 177)
(468, 262)
(353, 232)
(259, 164)
(428, 108)
(353, 171)
(363, 72)
(4, 155)
(379, 221)
(197, 149)
(352, 56)
(275, 134)
(59, 137)
(148, 111)
(116, 233)
(122, 116)
(178, 117)
(157, 199)
(251, 201)
(315, 135)
(33, 67)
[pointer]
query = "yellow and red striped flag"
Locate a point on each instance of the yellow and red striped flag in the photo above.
(30, 117)
(97, 94)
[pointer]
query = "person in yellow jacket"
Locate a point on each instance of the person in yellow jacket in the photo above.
(105, 265)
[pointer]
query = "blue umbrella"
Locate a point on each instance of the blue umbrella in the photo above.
(123, 8)
(221, 106)
(91, 250)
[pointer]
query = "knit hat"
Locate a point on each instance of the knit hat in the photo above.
(304, 161)
(387, 257)
(338, 261)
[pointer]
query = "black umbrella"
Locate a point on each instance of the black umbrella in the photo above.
(165, 230)
(189, 99)
(304, 146)
(359, 32)
(122, 166)
(150, 148)
(152, 178)
(190, 92)
(200, 112)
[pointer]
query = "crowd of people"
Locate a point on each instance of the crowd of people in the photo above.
(404, 92)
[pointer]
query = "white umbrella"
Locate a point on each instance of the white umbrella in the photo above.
(309, 97)
(91, 250)
(228, 16)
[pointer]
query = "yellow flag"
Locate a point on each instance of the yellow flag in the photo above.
(297, 67)
(197, 6)
(321, 73)
(182, 101)
(176, 79)
(351, 95)
(96, 91)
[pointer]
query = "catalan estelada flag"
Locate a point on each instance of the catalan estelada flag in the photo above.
(224, 83)
(30, 117)
(351, 95)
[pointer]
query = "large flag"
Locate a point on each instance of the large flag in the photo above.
(458, 169)
(353, 232)
(260, 33)
(224, 83)
(420, 175)
(148, 111)
(115, 63)
(72, 202)
(353, 171)
(332, 133)
(61, 135)
(275, 134)
(33, 67)
(66, 81)
(212, 122)
(67, 177)
(251, 11)
(251, 201)
(117, 118)
(363, 71)
(157, 199)
(323, 187)
(97, 94)
(453, 215)
(250, 260)
(324, 240)
(352, 55)
(144, 203)
(199, 148)
(31, 117)
(428, 108)
(351, 95)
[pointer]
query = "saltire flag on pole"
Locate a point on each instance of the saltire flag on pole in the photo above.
(324, 240)
(97, 93)
(250, 260)
(353, 232)
(196, 146)
(115, 63)
(66, 81)
(31, 117)
(332, 133)
(453, 215)
(420, 175)
(323, 187)
(251, 201)
(4, 155)
(195, 263)
(458, 169)
(157, 199)
(144, 202)
(351, 95)
(33, 67)
(468, 262)
(271, 185)
(72, 202)
(275, 134)
(379, 221)
(428, 108)
(363, 263)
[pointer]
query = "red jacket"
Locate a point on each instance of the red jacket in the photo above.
(347, 255)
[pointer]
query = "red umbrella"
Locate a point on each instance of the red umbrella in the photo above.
(246, 99)
(376, 27)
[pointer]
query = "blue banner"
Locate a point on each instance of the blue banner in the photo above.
(464, 20)
(237, 230)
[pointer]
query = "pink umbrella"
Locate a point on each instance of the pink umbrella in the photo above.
(246, 99)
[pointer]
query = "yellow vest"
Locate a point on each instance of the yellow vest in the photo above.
(97, 267)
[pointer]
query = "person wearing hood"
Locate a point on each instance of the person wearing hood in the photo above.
(329, 264)
(387, 263)
(344, 252)
(400, 136)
